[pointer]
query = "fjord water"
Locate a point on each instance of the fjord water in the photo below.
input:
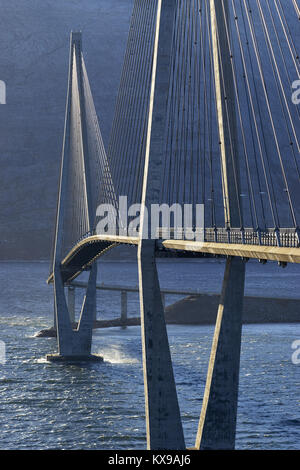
(101, 406)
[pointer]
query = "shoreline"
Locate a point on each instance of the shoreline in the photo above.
(202, 310)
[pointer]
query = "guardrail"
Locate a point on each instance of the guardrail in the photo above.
(286, 237)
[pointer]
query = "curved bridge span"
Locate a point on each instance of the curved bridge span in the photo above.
(86, 252)
(89, 249)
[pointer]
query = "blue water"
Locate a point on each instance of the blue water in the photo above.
(101, 406)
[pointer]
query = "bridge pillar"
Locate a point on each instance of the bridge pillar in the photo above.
(71, 303)
(124, 316)
(74, 344)
(163, 421)
(217, 423)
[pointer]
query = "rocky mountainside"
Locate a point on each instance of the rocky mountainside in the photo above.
(34, 38)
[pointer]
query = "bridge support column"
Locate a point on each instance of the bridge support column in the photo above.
(219, 409)
(71, 303)
(74, 344)
(163, 421)
(93, 292)
(217, 423)
(124, 309)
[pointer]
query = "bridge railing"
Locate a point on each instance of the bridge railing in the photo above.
(282, 237)
(286, 237)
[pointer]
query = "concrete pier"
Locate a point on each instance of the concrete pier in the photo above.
(217, 423)
(76, 343)
(164, 428)
(123, 317)
(71, 302)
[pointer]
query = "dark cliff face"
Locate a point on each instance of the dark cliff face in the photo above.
(34, 38)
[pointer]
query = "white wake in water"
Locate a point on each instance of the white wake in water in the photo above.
(115, 355)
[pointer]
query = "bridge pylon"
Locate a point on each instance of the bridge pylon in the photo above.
(163, 420)
(217, 425)
(74, 342)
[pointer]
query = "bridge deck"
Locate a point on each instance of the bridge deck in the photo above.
(85, 252)
(90, 248)
(272, 253)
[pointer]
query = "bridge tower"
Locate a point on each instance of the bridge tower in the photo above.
(163, 421)
(218, 416)
(217, 425)
(74, 344)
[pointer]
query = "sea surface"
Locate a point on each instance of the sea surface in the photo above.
(101, 406)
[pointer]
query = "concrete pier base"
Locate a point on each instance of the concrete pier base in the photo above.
(217, 425)
(73, 358)
(74, 343)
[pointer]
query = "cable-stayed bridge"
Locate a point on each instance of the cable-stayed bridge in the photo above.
(204, 119)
